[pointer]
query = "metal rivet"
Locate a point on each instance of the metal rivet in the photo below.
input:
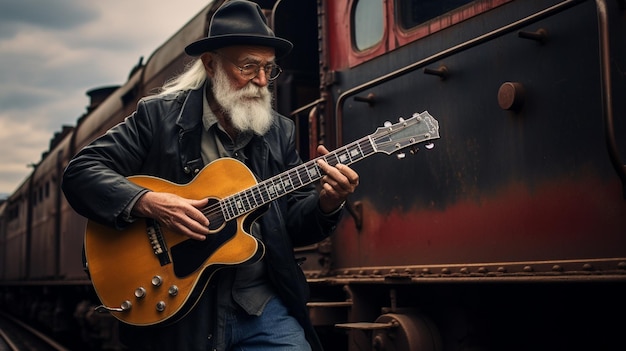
(511, 96)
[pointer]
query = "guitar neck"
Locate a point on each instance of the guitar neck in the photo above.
(419, 128)
(284, 183)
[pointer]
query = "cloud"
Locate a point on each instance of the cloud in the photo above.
(56, 15)
(53, 52)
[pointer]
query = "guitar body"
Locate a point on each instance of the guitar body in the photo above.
(148, 275)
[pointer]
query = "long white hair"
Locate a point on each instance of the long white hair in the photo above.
(193, 77)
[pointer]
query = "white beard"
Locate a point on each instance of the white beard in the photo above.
(249, 108)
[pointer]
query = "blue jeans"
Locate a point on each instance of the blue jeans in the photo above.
(273, 330)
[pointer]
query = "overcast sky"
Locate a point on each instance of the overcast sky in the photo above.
(53, 51)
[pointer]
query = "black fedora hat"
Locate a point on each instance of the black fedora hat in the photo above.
(239, 22)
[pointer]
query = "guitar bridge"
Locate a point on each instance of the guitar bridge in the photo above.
(155, 236)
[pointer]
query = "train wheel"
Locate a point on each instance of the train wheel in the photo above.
(408, 332)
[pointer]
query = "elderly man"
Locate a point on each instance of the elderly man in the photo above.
(219, 107)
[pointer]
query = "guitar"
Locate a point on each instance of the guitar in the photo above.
(148, 275)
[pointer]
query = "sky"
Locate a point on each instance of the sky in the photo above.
(53, 51)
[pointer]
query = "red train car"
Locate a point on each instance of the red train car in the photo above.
(509, 234)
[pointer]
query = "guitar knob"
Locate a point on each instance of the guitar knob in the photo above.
(126, 305)
(140, 292)
(387, 124)
(173, 290)
(160, 306)
(401, 156)
(157, 280)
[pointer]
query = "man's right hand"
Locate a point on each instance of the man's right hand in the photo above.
(181, 215)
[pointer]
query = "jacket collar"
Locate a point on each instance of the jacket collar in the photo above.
(191, 112)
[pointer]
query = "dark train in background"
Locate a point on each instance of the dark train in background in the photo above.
(509, 235)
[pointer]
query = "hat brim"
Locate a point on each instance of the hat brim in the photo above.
(197, 48)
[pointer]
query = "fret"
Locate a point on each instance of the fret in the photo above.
(372, 143)
(229, 207)
(356, 152)
(254, 192)
(239, 205)
(344, 157)
(287, 184)
(331, 158)
(271, 190)
(281, 182)
(294, 180)
(312, 171)
(248, 196)
(366, 144)
(265, 193)
(297, 172)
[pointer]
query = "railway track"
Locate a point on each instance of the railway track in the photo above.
(18, 336)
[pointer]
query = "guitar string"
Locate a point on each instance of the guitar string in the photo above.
(216, 215)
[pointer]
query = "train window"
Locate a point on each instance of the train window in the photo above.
(412, 13)
(367, 23)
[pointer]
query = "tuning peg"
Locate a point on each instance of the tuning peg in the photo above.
(401, 155)
(387, 124)
(401, 120)
(429, 146)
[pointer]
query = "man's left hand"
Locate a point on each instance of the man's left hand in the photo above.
(338, 182)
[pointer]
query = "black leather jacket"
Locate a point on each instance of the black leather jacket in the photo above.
(162, 138)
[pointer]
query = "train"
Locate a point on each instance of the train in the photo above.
(508, 232)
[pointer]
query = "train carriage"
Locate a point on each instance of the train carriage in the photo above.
(518, 214)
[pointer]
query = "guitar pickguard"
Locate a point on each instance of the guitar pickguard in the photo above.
(189, 255)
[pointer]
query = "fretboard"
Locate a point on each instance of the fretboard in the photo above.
(282, 184)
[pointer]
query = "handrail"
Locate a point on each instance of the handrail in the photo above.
(607, 94)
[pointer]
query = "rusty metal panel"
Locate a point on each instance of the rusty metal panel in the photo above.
(521, 172)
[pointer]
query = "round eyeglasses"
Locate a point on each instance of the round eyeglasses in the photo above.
(251, 70)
